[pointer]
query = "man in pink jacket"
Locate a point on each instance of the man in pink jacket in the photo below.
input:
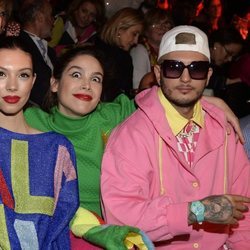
(171, 168)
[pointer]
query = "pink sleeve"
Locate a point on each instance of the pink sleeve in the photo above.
(127, 198)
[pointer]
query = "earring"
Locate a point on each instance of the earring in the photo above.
(214, 48)
(118, 36)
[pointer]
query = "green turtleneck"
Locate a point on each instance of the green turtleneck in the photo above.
(88, 134)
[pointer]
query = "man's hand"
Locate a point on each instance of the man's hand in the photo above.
(223, 209)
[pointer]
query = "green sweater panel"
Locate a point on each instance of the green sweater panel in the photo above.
(89, 135)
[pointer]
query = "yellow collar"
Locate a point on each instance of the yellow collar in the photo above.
(176, 121)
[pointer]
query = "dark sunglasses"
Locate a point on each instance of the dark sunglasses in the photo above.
(173, 69)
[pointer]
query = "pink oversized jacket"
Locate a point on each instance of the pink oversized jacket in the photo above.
(146, 182)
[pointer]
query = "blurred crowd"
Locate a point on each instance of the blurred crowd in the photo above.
(129, 33)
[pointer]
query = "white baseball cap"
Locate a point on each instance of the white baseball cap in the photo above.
(184, 38)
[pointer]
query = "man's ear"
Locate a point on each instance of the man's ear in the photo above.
(53, 84)
(157, 71)
(210, 72)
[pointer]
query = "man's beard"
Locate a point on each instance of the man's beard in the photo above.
(181, 102)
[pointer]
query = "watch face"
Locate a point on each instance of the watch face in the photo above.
(198, 209)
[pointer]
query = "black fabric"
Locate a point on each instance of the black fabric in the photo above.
(66, 39)
(119, 67)
(217, 81)
(42, 70)
(236, 95)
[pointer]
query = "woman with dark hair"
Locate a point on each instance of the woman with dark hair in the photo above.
(38, 180)
(225, 47)
(74, 109)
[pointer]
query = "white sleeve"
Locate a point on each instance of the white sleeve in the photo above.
(141, 63)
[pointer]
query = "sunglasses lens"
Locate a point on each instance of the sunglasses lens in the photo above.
(198, 70)
(172, 69)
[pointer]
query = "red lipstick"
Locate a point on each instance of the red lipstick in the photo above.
(12, 99)
(83, 97)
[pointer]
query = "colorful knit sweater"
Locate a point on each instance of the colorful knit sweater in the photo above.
(88, 135)
(38, 190)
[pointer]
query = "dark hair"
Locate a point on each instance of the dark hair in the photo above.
(63, 61)
(13, 42)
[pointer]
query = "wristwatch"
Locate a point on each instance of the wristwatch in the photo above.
(198, 209)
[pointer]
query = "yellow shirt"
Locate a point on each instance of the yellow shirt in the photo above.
(176, 121)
